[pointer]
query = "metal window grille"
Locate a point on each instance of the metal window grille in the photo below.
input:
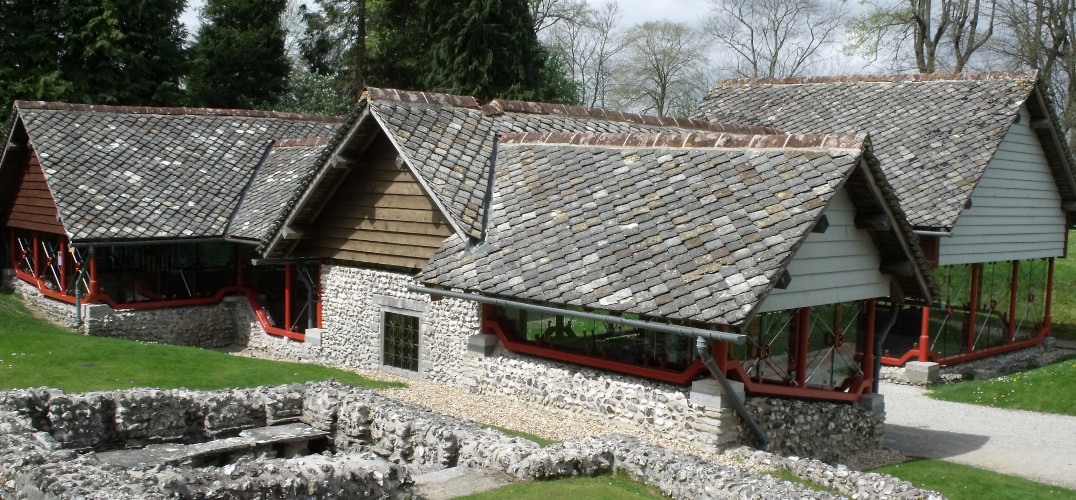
(401, 341)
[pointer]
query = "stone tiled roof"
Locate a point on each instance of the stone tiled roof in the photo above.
(692, 227)
(449, 139)
(276, 185)
(933, 134)
(127, 173)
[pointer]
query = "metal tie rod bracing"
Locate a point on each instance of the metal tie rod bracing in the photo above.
(685, 331)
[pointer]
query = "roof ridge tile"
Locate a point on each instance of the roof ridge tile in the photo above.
(716, 140)
(305, 142)
(171, 111)
(884, 78)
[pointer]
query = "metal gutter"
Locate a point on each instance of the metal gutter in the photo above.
(684, 331)
(940, 234)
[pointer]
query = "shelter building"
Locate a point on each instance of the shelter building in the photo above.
(979, 165)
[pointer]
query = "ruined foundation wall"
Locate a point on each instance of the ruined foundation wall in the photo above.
(816, 429)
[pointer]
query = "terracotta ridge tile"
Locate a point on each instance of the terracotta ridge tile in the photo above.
(885, 78)
(715, 140)
(173, 111)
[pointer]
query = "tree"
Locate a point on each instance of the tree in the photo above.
(123, 51)
(30, 45)
(488, 48)
(238, 57)
(550, 13)
(663, 69)
(925, 27)
(589, 46)
(313, 93)
(772, 38)
(334, 42)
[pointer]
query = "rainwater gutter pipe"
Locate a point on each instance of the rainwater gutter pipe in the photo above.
(702, 347)
(703, 341)
(879, 339)
(684, 331)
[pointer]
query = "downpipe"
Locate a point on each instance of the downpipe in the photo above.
(879, 339)
(702, 347)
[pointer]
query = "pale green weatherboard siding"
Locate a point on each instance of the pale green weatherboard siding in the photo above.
(1015, 209)
(836, 266)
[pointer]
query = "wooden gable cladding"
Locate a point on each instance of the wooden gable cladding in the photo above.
(378, 215)
(33, 207)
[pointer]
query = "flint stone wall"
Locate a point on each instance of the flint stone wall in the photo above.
(198, 326)
(380, 443)
(817, 429)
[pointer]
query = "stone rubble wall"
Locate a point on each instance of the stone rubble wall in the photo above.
(198, 326)
(209, 326)
(655, 407)
(381, 443)
(821, 430)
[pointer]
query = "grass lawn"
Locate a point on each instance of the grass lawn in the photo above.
(34, 352)
(543, 442)
(958, 482)
(1064, 306)
(608, 487)
(1035, 390)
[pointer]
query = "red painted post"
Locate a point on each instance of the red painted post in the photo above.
(93, 277)
(976, 273)
(924, 335)
(317, 290)
(37, 255)
(1046, 318)
(63, 266)
(1012, 299)
(287, 297)
(803, 330)
(866, 363)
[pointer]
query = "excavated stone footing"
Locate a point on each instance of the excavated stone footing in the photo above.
(55, 445)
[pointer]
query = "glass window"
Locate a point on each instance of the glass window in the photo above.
(400, 340)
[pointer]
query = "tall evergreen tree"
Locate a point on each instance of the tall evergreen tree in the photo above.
(123, 51)
(334, 42)
(30, 46)
(488, 48)
(238, 58)
(399, 44)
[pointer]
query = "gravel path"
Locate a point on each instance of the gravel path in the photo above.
(1037, 446)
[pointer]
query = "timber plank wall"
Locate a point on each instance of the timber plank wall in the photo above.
(379, 215)
(33, 207)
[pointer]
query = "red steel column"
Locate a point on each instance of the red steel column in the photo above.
(93, 277)
(63, 266)
(287, 297)
(924, 335)
(317, 290)
(1012, 299)
(976, 273)
(37, 255)
(803, 330)
(867, 361)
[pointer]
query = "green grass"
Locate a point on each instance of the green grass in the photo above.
(34, 352)
(958, 482)
(1040, 389)
(608, 487)
(543, 442)
(1064, 303)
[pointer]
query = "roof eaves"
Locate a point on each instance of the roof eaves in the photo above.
(173, 111)
(1059, 155)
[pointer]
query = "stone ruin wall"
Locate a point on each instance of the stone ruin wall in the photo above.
(49, 442)
(353, 301)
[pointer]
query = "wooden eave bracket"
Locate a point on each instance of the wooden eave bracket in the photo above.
(343, 162)
(294, 233)
(874, 222)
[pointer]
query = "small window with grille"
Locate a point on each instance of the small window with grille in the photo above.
(400, 340)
